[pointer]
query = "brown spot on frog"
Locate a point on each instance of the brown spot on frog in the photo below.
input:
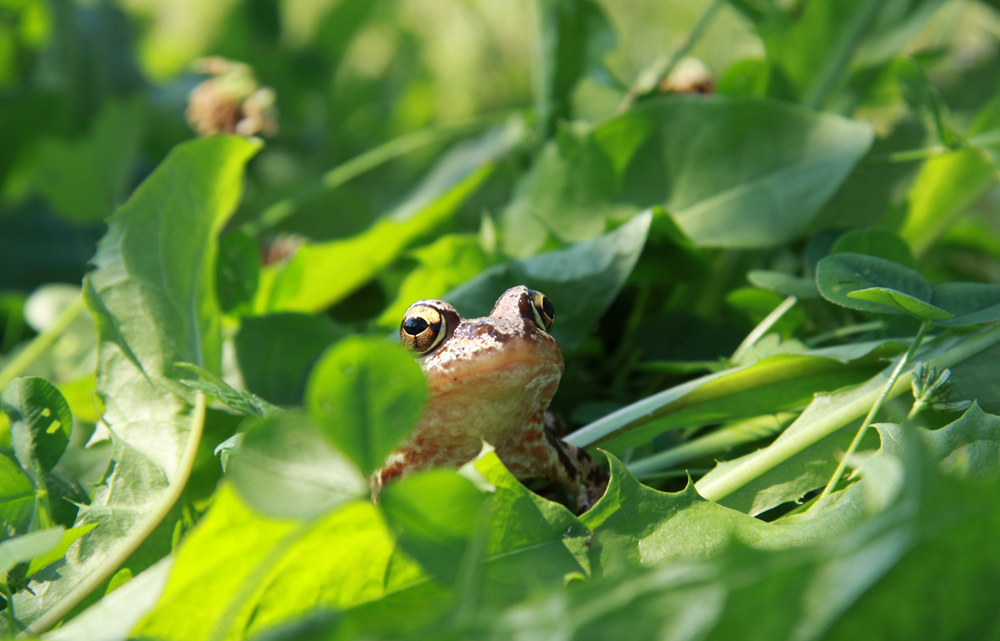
(491, 379)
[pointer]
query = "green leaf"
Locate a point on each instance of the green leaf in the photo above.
(58, 552)
(775, 384)
(896, 289)
(689, 154)
(876, 242)
(969, 446)
(435, 513)
(444, 264)
(285, 469)
(581, 281)
(153, 297)
(782, 283)
(40, 423)
(85, 179)
(321, 274)
(948, 185)
(238, 271)
(890, 298)
(17, 496)
(970, 303)
(211, 385)
(21, 549)
(277, 351)
(366, 396)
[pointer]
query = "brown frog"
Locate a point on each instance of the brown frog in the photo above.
(491, 379)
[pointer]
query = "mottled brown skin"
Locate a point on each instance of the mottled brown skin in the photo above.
(491, 379)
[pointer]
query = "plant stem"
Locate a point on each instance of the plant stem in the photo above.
(9, 610)
(763, 327)
(369, 160)
(40, 343)
(724, 438)
(840, 332)
(903, 362)
(831, 421)
(651, 78)
(840, 59)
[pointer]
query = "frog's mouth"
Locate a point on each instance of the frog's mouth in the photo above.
(507, 367)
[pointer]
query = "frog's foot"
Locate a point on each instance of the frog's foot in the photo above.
(578, 473)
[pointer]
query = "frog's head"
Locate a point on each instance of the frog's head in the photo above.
(507, 352)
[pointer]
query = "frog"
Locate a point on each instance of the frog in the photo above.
(490, 380)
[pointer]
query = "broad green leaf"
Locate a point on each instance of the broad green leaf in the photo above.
(238, 271)
(978, 378)
(733, 172)
(782, 283)
(285, 469)
(812, 48)
(876, 242)
(640, 525)
(435, 514)
(40, 423)
(215, 559)
(841, 275)
(211, 385)
(17, 496)
(58, 552)
(153, 297)
(970, 303)
(444, 264)
(85, 179)
(21, 549)
(277, 351)
(581, 281)
(321, 274)
(366, 396)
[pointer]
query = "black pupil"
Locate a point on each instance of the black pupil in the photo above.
(414, 326)
(547, 307)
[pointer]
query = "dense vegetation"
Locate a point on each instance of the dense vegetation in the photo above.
(770, 230)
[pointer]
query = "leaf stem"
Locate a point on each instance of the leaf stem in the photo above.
(840, 59)
(833, 420)
(650, 78)
(763, 327)
(369, 160)
(39, 344)
(903, 362)
(9, 610)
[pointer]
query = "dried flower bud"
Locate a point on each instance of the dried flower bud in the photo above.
(689, 76)
(231, 101)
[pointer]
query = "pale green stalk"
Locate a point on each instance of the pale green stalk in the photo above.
(783, 449)
(739, 433)
(763, 327)
(41, 343)
(903, 362)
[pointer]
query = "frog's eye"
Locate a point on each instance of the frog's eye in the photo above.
(423, 328)
(541, 306)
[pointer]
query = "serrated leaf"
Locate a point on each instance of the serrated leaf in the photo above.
(21, 549)
(365, 396)
(153, 298)
(41, 423)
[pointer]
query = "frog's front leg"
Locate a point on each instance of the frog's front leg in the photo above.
(575, 470)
